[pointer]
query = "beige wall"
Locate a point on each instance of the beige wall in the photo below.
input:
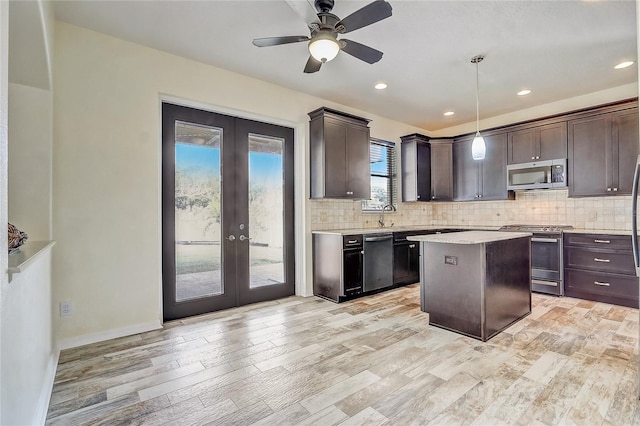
(30, 131)
(106, 194)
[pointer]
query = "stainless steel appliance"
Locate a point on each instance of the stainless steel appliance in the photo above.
(547, 272)
(537, 175)
(378, 261)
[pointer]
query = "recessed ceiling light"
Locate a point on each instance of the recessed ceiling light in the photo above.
(449, 113)
(524, 92)
(380, 86)
(624, 65)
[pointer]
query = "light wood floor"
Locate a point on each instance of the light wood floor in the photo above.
(372, 361)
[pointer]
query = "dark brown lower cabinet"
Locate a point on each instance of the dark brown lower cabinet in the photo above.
(406, 263)
(600, 267)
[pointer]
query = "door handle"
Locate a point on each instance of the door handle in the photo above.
(231, 238)
(243, 238)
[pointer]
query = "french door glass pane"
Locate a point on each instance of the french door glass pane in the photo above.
(197, 211)
(266, 210)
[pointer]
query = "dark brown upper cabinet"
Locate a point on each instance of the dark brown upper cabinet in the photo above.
(481, 180)
(602, 153)
(540, 143)
(415, 158)
(427, 168)
(441, 170)
(339, 155)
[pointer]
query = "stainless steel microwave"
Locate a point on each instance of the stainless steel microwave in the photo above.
(537, 175)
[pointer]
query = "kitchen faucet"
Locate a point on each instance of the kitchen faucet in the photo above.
(384, 208)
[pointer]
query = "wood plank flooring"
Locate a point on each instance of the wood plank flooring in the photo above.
(373, 361)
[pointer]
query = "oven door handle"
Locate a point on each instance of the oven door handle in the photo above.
(544, 240)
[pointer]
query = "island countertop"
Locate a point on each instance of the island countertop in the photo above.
(469, 237)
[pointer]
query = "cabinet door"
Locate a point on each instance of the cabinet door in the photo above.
(465, 172)
(335, 163)
(625, 149)
(358, 167)
(552, 141)
(522, 146)
(441, 171)
(352, 273)
(401, 263)
(414, 263)
(494, 168)
(590, 162)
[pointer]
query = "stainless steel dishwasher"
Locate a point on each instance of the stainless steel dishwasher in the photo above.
(378, 261)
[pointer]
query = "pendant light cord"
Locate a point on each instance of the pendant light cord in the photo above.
(477, 101)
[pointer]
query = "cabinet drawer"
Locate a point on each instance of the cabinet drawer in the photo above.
(350, 241)
(615, 242)
(599, 260)
(609, 288)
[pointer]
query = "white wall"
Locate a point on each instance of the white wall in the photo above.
(106, 195)
(30, 133)
(28, 362)
(4, 86)
(27, 354)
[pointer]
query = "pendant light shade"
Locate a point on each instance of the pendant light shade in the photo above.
(478, 147)
(324, 47)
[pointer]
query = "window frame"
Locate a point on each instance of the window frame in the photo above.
(391, 175)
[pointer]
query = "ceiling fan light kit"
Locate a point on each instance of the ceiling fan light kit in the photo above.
(324, 47)
(478, 147)
(323, 42)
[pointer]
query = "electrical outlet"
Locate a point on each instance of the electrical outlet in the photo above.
(66, 308)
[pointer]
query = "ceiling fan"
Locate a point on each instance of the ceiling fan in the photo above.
(325, 27)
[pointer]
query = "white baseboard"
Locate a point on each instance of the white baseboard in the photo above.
(87, 339)
(40, 415)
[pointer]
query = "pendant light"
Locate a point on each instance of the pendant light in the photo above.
(478, 147)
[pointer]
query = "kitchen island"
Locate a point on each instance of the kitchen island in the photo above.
(476, 283)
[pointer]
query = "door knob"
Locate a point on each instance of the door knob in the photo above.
(243, 238)
(231, 238)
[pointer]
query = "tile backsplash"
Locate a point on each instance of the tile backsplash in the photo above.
(537, 207)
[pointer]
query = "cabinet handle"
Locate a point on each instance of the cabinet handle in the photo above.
(537, 157)
(352, 288)
(615, 189)
(480, 196)
(352, 241)
(597, 259)
(609, 189)
(412, 246)
(602, 284)
(602, 241)
(418, 197)
(349, 192)
(533, 158)
(361, 251)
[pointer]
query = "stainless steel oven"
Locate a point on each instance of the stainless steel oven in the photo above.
(547, 274)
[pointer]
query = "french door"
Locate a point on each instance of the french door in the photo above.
(227, 211)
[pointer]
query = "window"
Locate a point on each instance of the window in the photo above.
(382, 162)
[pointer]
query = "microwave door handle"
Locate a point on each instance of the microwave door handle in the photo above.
(634, 217)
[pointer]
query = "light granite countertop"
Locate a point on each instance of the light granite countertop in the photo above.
(403, 229)
(469, 237)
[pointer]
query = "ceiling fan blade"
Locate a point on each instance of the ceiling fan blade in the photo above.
(275, 41)
(312, 66)
(360, 51)
(370, 14)
(304, 9)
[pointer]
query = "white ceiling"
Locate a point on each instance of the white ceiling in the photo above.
(558, 49)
